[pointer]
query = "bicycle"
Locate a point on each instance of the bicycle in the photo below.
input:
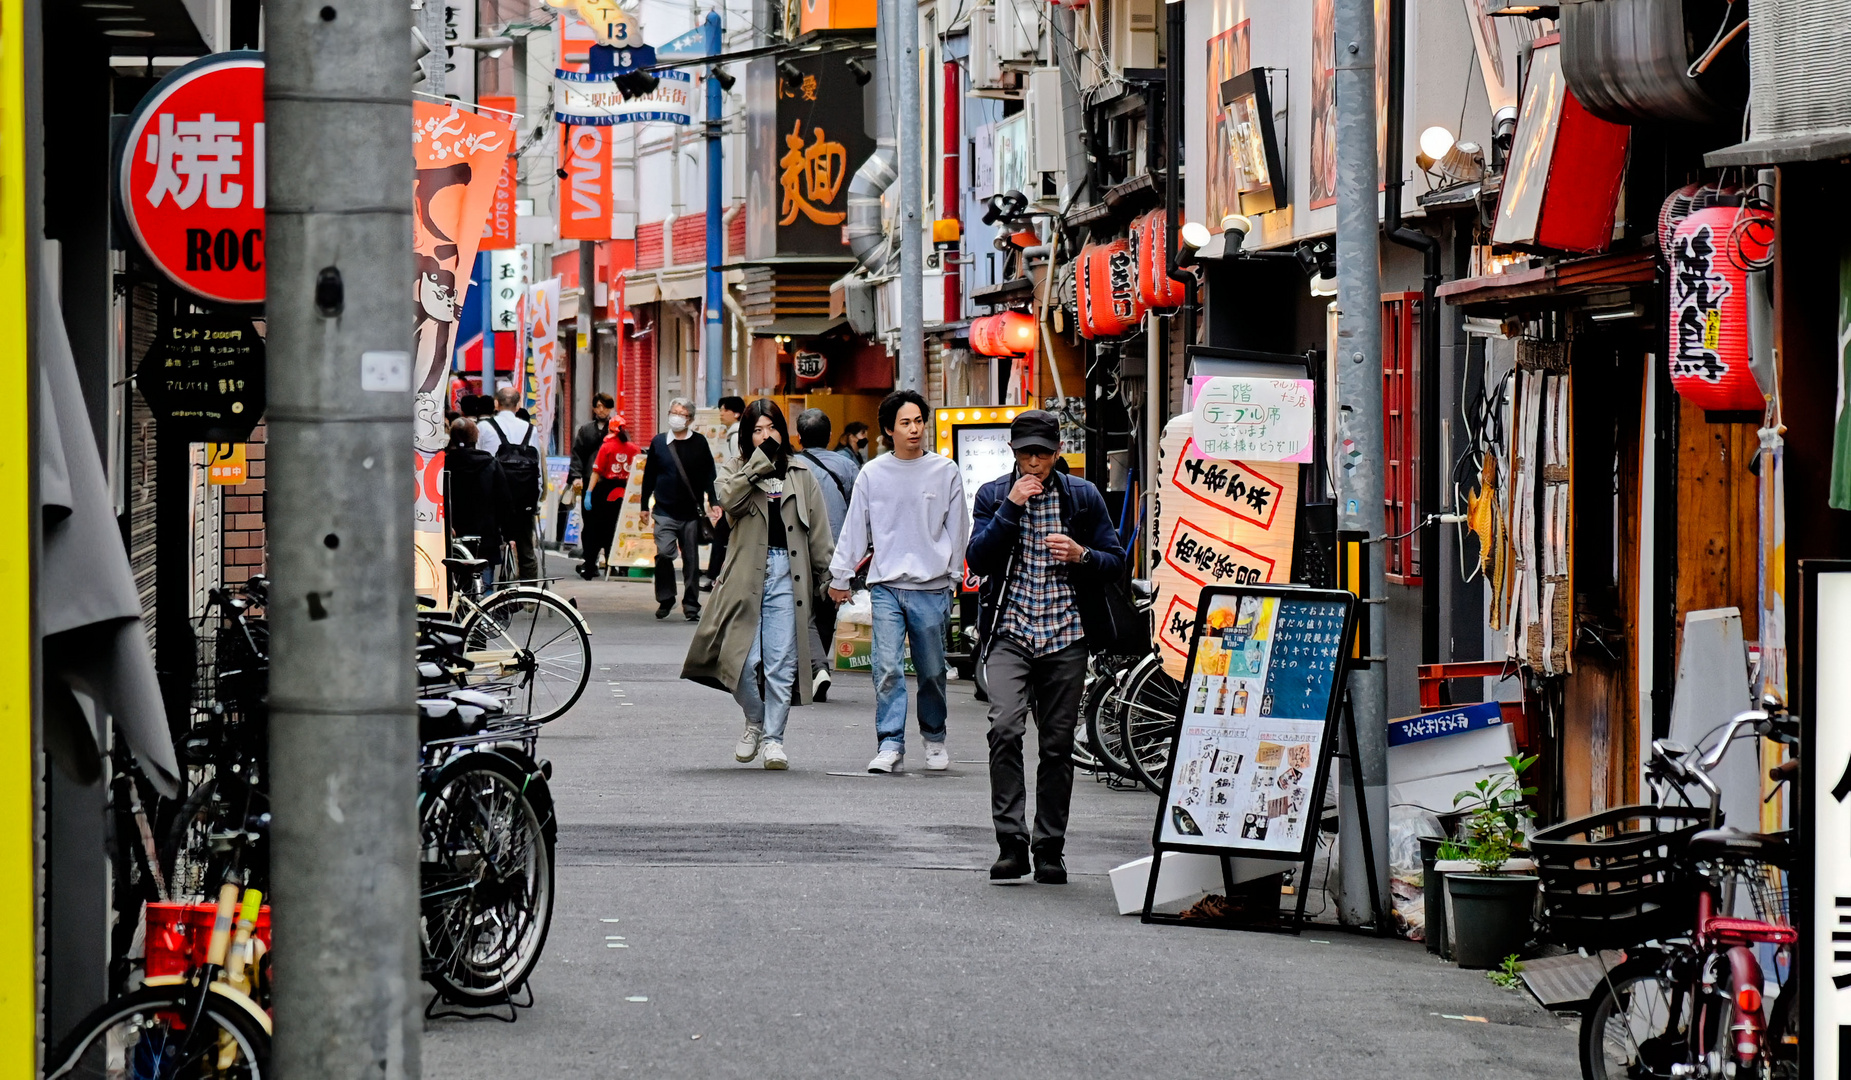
(524, 632)
(1687, 1001)
(209, 1021)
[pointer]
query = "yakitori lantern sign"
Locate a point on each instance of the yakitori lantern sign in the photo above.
(1150, 247)
(1107, 290)
(192, 178)
(1007, 333)
(1710, 253)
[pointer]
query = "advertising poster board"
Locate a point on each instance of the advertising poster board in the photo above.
(1218, 523)
(1821, 885)
(1257, 727)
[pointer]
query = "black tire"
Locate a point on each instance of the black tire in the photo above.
(1150, 704)
(1100, 706)
(153, 1017)
(544, 640)
(486, 872)
(1637, 1022)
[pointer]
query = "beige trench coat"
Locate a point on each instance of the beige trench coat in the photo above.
(729, 622)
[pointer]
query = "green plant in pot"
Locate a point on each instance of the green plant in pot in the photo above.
(1492, 912)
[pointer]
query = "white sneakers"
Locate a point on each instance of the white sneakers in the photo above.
(888, 761)
(774, 756)
(819, 689)
(748, 744)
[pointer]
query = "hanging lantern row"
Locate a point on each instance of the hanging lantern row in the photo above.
(1150, 247)
(1006, 333)
(1709, 252)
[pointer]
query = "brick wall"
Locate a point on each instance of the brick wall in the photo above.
(243, 542)
(649, 246)
(690, 245)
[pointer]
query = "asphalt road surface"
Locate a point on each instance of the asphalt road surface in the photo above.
(719, 920)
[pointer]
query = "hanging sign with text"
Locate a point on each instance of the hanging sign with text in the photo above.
(191, 183)
(204, 377)
(1254, 419)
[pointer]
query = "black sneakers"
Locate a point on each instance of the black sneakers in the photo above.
(1012, 865)
(1049, 868)
(662, 610)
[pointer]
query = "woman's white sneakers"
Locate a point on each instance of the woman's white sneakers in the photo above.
(887, 761)
(749, 743)
(937, 759)
(774, 756)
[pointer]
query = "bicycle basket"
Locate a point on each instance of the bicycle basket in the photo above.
(1612, 879)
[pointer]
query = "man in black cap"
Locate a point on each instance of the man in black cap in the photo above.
(1044, 545)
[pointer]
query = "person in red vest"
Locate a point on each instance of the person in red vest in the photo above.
(610, 476)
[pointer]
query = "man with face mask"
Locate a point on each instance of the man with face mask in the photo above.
(677, 488)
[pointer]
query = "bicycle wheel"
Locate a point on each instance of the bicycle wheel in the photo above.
(1100, 706)
(1152, 702)
(143, 1036)
(1082, 754)
(1637, 1023)
(486, 899)
(536, 638)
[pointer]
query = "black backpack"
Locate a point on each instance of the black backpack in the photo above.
(520, 463)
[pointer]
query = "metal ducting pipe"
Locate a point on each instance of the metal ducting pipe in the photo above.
(864, 228)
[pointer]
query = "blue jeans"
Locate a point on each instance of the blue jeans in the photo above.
(922, 616)
(773, 655)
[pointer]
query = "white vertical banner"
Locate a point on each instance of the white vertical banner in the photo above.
(542, 333)
(505, 289)
(1829, 701)
(459, 24)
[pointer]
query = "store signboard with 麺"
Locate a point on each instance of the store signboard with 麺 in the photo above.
(1254, 733)
(1823, 903)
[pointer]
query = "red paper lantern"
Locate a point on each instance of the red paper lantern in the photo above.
(1150, 247)
(1007, 333)
(1709, 257)
(1107, 290)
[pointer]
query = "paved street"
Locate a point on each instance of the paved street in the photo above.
(825, 922)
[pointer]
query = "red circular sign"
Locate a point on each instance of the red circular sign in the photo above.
(192, 179)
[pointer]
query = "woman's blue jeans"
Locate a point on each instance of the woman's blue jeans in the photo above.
(772, 660)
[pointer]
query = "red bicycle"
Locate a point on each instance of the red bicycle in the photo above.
(1687, 1001)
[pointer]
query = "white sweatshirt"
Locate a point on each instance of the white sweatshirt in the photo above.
(913, 515)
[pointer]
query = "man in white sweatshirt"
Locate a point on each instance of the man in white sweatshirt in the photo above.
(908, 507)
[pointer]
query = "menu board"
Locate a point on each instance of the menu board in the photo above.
(1247, 769)
(203, 376)
(982, 453)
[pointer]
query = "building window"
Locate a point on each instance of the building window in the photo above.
(1401, 316)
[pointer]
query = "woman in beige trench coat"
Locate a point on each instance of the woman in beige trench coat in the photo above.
(752, 638)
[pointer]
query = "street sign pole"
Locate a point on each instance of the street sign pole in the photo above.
(343, 732)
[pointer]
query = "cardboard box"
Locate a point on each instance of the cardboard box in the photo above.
(854, 648)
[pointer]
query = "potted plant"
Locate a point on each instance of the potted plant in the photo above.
(1491, 912)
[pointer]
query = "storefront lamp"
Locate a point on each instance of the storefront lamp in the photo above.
(1441, 155)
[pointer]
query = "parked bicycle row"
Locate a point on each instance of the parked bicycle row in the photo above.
(191, 959)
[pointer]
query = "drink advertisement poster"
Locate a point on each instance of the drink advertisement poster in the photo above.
(1248, 768)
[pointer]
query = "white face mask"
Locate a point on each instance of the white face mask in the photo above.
(677, 423)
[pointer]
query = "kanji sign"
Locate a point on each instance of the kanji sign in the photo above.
(1232, 487)
(810, 365)
(204, 377)
(806, 159)
(1207, 559)
(226, 465)
(191, 183)
(1257, 419)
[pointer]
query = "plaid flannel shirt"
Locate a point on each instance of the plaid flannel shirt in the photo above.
(1039, 609)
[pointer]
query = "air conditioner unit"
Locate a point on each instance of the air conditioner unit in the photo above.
(1800, 84)
(1047, 144)
(986, 69)
(1132, 37)
(1018, 30)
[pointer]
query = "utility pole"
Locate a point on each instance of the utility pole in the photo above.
(906, 127)
(716, 240)
(1358, 364)
(343, 733)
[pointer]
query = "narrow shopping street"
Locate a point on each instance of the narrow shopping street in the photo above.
(827, 922)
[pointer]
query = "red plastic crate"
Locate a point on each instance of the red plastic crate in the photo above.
(179, 934)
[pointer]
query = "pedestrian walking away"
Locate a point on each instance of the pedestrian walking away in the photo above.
(730, 410)
(836, 475)
(678, 490)
(907, 512)
(751, 641)
(586, 442)
(478, 503)
(510, 439)
(1044, 546)
(610, 477)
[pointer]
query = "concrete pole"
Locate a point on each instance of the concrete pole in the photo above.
(1358, 364)
(715, 308)
(912, 196)
(343, 733)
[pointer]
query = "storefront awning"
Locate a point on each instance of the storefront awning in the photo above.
(1540, 286)
(651, 286)
(800, 327)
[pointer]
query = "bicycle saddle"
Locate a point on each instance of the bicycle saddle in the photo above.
(1143, 589)
(468, 566)
(1736, 844)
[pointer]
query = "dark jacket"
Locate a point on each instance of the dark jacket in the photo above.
(663, 491)
(585, 443)
(996, 532)
(480, 503)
